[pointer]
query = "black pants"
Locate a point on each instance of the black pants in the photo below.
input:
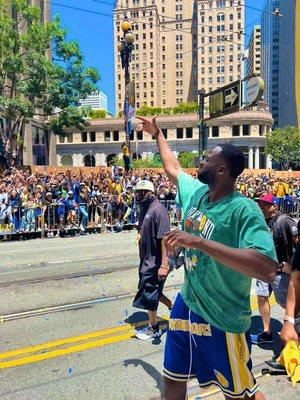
(126, 160)
(149, 292)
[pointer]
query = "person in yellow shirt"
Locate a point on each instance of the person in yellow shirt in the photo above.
(281, 188)
(126, 157)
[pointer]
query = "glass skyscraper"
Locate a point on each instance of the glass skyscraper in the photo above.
(278, 60)
(270, 56)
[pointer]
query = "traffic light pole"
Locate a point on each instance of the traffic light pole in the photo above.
(202, 130)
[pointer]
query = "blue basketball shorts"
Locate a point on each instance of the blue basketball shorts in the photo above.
(196, 349)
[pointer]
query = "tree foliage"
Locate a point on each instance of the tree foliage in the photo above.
(31, 84)
(182, 108)
(187, 159)
(97, 114)
(283, 145)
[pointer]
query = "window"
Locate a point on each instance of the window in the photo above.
(139, 135)
(92, 136)
(116, 136)
(179, 133)
(235, 130)
(261, 130)
(246, 130)
(189, 133)
(84, 137)
(165, 133)
(215, 131)
(107, 136)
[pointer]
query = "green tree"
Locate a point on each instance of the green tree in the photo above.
(283, 145)
(182, 108)
(97, 114)
(187, 159)
(31, 84)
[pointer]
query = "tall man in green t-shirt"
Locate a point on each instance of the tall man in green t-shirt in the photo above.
(226, 243)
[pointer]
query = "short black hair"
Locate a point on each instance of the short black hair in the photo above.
(235, 159)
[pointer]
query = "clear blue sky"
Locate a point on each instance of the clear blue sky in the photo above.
(95, 34)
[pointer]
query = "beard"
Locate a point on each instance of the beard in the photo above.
(206, 177)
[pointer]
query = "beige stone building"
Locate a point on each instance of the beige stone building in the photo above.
(101, 140)
(180, 46)
(162, 57)
(253, 62)
(220, 42)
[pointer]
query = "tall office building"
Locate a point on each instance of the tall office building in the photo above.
(278, 53)
(253, 61)
(270, 56)
(180, 46)
(220, 42)
(162, 57)
(96, 100)
(287, 114)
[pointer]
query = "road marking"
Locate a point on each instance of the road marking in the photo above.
(113, 338)
(68, 350)
(74, 339)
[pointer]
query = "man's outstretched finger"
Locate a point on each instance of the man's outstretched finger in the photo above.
(141, 118)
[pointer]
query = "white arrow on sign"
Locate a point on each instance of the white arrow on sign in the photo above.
(230, 98)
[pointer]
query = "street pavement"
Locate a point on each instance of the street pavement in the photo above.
(91, 353)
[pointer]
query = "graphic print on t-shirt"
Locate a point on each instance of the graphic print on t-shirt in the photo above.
(197, 223)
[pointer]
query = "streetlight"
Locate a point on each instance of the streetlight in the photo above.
(202, 128)
(125, 47)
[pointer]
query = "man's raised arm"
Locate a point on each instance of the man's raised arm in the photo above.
(170, 162)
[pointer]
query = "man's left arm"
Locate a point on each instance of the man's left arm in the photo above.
(255, 255)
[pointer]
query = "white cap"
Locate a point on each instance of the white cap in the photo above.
(145, 185)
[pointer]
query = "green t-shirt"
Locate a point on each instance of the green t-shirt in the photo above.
(215, 292)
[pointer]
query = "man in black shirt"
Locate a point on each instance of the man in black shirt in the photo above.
(153, 225)
(285, 235)
(291, 324)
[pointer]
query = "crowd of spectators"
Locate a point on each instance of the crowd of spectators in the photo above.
(53, 202)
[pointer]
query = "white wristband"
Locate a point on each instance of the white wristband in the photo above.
(289, 319)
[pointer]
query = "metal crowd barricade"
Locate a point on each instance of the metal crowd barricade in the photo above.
(60, 219)
(290, 205)
(173, 211)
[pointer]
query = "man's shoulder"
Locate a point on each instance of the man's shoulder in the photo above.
(244, 204)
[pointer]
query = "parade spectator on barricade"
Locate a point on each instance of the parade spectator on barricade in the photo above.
(71, 209)
(49, 214)
(83, 199)
(16, 203)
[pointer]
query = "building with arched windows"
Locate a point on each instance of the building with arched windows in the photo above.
(101, 140)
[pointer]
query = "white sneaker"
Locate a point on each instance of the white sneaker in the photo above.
(82, 228)
(149, 333)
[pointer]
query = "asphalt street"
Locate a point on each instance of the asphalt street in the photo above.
(91, 353)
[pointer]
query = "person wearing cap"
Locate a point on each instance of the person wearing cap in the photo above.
(226, 243)
(153, 225)
(285, 234)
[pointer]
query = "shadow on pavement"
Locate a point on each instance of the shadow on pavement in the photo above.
(149, 369)
(256, 327)
(138, 316)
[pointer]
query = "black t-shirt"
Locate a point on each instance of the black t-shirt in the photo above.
(153, 225)
(283, 228)
(296, 259)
